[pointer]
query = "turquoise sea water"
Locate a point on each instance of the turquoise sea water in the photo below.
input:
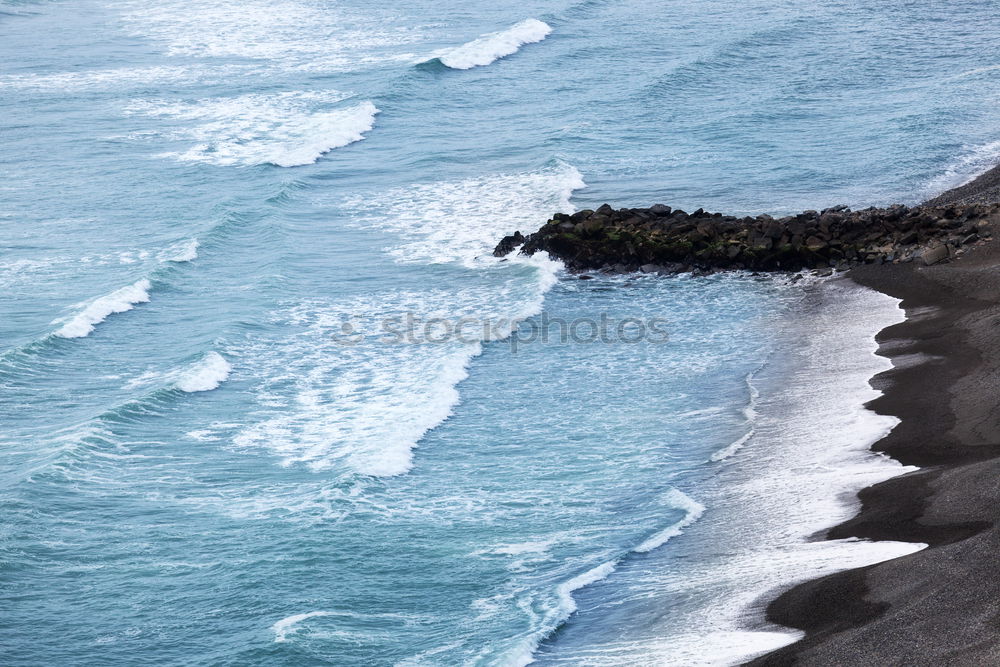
(215, 213)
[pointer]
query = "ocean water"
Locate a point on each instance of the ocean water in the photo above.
(266, 398)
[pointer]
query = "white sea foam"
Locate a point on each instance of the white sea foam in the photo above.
(203, 435)
(285, 129)
(520, 557)
(183, 252)
(118, 77)
(458, 221)
(129, 257)
(19, 271)
(975, 161)
(523, 653)
(565, 590)
(207, 374)
(789, 487)
(750, 415)
(693, 511)
(521, 548)
(362, 408)
(282, 34)
(365, 406)
(97, 311)
(144, 379)
(287, 625)
(490, 47)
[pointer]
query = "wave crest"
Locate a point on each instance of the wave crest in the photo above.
(184, 251)
(97, 311)
(211, 371)
(490, 47)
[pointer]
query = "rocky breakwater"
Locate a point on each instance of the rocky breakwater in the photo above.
(663, 240)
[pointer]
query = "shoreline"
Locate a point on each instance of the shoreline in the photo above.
(937, 605)
(766, 498)
(793, 485)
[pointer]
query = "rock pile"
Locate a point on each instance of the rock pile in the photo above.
(663, 240)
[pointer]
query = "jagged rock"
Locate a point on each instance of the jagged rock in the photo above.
(508, 243)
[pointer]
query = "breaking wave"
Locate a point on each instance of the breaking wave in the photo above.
(119, 301)
(207, 374)
(283, 129)
(493, 46)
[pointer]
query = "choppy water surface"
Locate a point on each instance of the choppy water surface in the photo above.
(267, 398)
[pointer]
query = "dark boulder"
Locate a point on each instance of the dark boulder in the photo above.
(508, 244)
(935, 254)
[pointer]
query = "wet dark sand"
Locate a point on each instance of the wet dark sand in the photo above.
(941, 605)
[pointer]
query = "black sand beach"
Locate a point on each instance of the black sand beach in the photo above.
(939, 606)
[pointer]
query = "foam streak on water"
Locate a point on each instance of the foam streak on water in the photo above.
(750, 413)
(524, 653)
